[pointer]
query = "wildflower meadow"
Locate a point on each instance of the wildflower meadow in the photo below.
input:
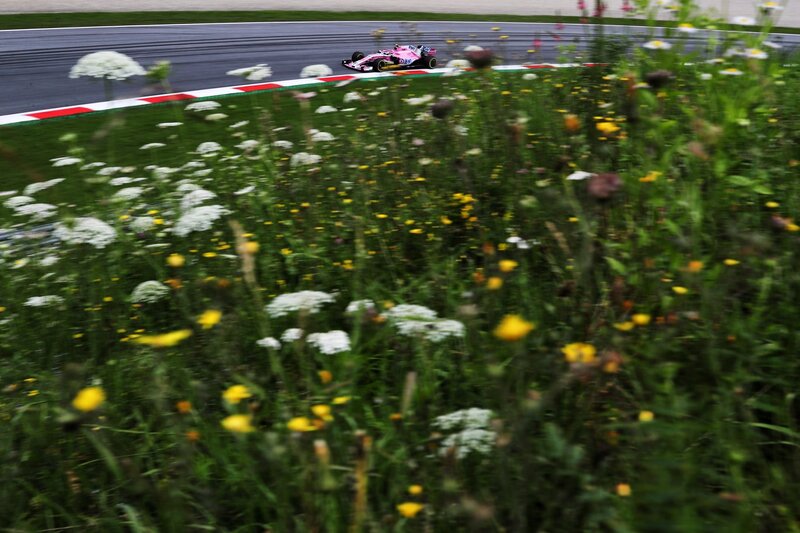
(541, 300)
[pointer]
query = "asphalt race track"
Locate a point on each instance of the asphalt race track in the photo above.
(35, 64)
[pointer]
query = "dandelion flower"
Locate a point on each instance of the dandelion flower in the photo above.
(301, 424)
(507, 265)
(176, 260)
(164, 340)
(236, 393)
(579, 352)
(641, 319)
(623, 489)
(410, 509)
(680, 290)
(646, 416)
(238, 423)
(513, 328)
(89, 399)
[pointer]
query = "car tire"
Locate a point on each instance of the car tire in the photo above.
(379, 65)
(429, 61)
(356, 56)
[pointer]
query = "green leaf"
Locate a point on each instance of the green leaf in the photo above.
(616, 266)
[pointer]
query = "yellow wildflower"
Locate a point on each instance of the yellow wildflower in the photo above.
(507, 265)
(607, 128)
(209, 318)
(238, 423)
(89, 399)
(623, 489)
(494, 283)
(415, 490)
(513, 328)
(301, 424)
(624, 326)
(322, 411)
(184, 407)
(236, 394)
(325, 376)
(340, 400)
(641, 319)
(652, 176)
(646, 416)
(680, 290)
(694, 267)
(410, 509)
(579, 352)
(731, 262)
(164, 340)
(176, 260)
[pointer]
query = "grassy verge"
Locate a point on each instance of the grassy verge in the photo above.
(558, 301)
(59, 20)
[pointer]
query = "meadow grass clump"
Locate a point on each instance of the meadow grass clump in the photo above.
(568, 303)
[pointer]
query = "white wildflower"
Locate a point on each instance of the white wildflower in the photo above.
(292, 334)
(579, 175)
(755, 53)
(49, 260)
(151, 146)
(770, 6)
(38, 211)
(457, 63)
(16, 201)
(245, 190)
(352, 97)
(248, 145)
(469, 441)
(529, 76)
(773, 45)
(33, 188)
(283, 145)
(205, 105)
(195, 198)
(269, 342)
(44, 301)
(124, 180)
(215, 117)
(411, 311)
(142, 224)
(326, 109)
(473, 48)
(164, 125)
(331, 342)
(731, 72)
(86, 230)
(254, 73)
(3, 194)
(322, 136)
(185, 186)
(107, 65)
(305, 301)
(743, 21)
(420, 100)
(472, 418)
(304, 158)
(360, 306)
(66, 161)
(149, 292)
(657, 45)
(209, 147)
(240, 124)
(128, 193)
(197, 219)
(315, 71)
(92, 166)
(705, 76)
(108, 171)
(685, 27)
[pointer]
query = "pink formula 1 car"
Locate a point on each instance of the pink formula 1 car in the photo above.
(399, 57)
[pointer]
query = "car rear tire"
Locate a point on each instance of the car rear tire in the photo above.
(379, 65)
(429, 62)
(357, 55)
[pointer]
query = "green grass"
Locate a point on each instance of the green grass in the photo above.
(675, 267)
(60, 20)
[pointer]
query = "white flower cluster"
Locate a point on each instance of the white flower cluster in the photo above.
(315, 71)
(44, 301)
(86, 230)
(195, 198)
(326, 109)
(16, 201)
(66, 161)
(205, 105)
(473, 432)
(304, 158)
(352, 97)
(200, 218)
(307, 301)
(142, 224)
(254, 73)
(292, 334)
(420, 100)
(208, 148)
(33, 188)
(269, 342)
(128, 193)
(149, 292)
(322, 136)
(419, 321)
(283, 145)
(330, 342)
(36, 211)
(108, 65)
(359, 306)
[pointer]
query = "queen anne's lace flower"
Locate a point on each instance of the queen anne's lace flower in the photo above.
(86, 230)
(411, 312)
(292, 334)
(195, 198)
(128, 193)
(331, 342)
(469, 441)
(16, 201)
(359, 306)
(33, 188)
(37, 211)
(474, 417)
(149, 292)
(352, 97)
(254, 73)
(315, 71)
(44, 301)
(283, 145)
(209, 147)
(200, 218)
(66, 161)
(322, 136)
(326, 109)
(307, 301)
(205, 105)
(269, 342)
(107, 65)
(304, 158)
(142, 224)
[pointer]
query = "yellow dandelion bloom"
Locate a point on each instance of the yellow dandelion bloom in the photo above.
(579, 352)
(410, 509)
(623, 489)
(250, 247)
(340, 400)
(415, 490)
(325, 376)
(238, 423)
(164, 340)
(651, 176)
(507, 265)
(680, 290)
(89, 399)
(731, 262)
(646, 416)
(513, 328)
(236, 394)
(607, 128)
(494, 283)
(624, 326)
(322, 411)
(210, 318)
(694, 266)
(641, 319)
(301, 424)
(772, 204)
(176, 260)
